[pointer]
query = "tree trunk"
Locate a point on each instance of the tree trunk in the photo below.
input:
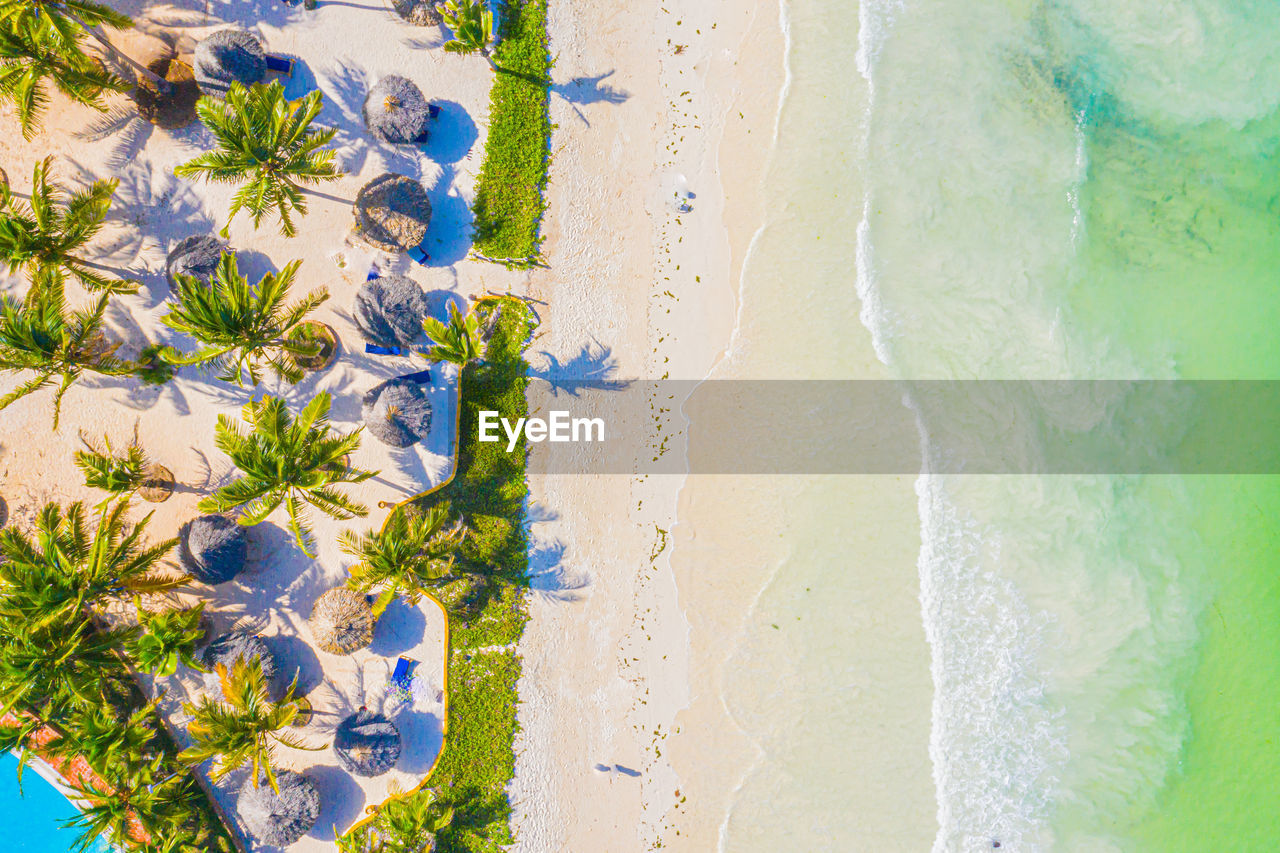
(159, 82)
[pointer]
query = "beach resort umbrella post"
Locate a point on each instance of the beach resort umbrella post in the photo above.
(392, 213)
(279, 819)
(366, 744)
(397, 412)
(212, 548)
(342, 621)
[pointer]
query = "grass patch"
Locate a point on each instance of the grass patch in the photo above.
(487, 615)
(509, 193)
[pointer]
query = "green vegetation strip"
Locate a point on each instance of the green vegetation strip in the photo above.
(489, 491)
(509, 194)
(486, 610)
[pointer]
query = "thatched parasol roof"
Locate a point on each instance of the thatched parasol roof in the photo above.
(395, 111)
(367, 744)
(392, 213)
(228, 56)
(279, 819)
(227, 648)
(212, 548)
(388, 311)
(421, 13)
(342, 621)
(196, 256)
(397, 412)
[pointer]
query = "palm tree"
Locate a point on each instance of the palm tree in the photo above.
(46, 234)
(401, 825)
(286, 460)
(66, 20)
(170, 637)
(244, 727)
(244, 328)
(40, 336)
(47, 670)
(137, 803)
(31, 56)
(472, 25)
(409, 556)
(459, 342)
(64, 570)
(110, 745)
(120, 475)
(265, 142)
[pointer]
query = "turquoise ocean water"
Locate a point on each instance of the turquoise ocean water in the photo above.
(1086, 189)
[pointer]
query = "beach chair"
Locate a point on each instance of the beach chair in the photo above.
(280, 64)
(374, 349)
(433, 110)
(422, 377)
(416, 254)
(404, 672)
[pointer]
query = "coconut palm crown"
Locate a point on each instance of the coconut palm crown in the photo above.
(245, 329)
(67, 20)
(48, 232)
(266, 143)
(408, 556)
(32, 57)
(472, 26)
(64, 569)
(40, 335)
(285, 460)
(244, 727)
(459, 342)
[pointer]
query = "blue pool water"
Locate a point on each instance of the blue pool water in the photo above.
(31, 818)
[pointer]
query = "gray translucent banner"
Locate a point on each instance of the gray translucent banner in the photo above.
(872, 427)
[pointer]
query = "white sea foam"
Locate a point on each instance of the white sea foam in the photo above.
(1059, 610)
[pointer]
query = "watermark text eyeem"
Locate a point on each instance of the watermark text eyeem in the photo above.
(559, 427)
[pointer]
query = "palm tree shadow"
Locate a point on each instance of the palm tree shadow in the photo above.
(587, 90)
(548, 576)
(591, 369)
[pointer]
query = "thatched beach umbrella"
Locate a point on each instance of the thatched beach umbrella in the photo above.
(388, 311)
(212, 548)
(421, 13)
(342, 621)
(196, 256)
(227, 648)
(227, 56)
(396, 111)
(367, 744)
(392, 213)
(397, 412)
(279, 819)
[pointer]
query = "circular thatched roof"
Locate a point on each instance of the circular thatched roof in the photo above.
(388, 311)
(342, 621)
(367, 744)
(395, 111)
(421, 13)
(196, 256)
(397, 412)
(279, 819)
(392, 213)
(212, 548)
(228, 56)
(227, 648)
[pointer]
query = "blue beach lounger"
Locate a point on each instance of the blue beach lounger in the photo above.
(418, 255)
(403, 672)
(433, 110)
(374, 349)
(280, 64)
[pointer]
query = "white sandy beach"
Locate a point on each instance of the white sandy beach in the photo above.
(633, 732)
(643, 587)
(342, 49)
